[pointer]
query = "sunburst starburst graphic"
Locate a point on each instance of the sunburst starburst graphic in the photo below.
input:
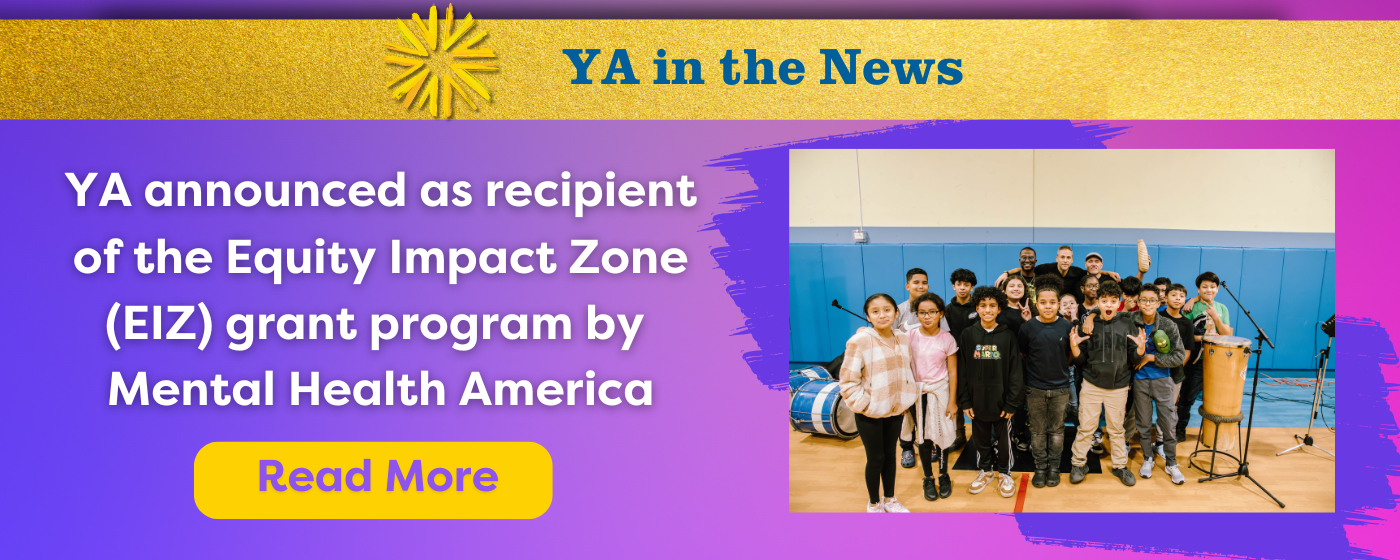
(439, 69)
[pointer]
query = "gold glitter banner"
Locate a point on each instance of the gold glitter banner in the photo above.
(445, 67)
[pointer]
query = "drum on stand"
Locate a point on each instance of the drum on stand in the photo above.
(799, 377)
(1226, 362)
(817, 408)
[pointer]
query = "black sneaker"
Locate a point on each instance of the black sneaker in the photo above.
(1076, 474)
(1038, 480)
(945, 486)
(907, 459)
(1072, 415)
(1022, 446)
(1126, 476)
(1181, 435)
(1052, 478)
(930, 489)
(958, 443)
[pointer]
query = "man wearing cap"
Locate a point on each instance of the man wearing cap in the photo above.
(1093, 266)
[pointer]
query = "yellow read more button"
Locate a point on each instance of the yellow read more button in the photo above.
(373, 480)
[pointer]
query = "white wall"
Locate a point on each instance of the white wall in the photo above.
(1224, 190)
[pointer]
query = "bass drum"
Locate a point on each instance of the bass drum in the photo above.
(799, 377)
(817, 408)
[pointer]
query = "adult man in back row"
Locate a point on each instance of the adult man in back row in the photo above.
(1027, 270)
(1093, 266)
(1070, 276)
(1063, 268)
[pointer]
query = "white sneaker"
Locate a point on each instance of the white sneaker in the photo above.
(984, 478)
(875, 508)
(1006, 485)
(1146, 470)
(892, 505)
(1177, 478)
(1159, 449)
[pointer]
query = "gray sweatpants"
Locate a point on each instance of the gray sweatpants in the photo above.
(1162, 392)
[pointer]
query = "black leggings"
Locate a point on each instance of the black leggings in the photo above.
(880, 436)
(926, 452)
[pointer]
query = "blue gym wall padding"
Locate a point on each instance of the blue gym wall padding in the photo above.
(807, 325)
(1289, 290)
(1262, 273)
(1327, 304)
(1301, 283)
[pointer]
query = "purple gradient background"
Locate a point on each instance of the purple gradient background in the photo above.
(633, 478)
(697, 474)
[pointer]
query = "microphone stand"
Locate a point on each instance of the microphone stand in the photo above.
(1307, 439)
(1259, 353)
(837, 304)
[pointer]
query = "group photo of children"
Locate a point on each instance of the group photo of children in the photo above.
(928, 375)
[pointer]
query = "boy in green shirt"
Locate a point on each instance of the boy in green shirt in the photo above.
(1209, 317)
(1205, 311)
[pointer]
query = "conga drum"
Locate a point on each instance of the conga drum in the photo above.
(1226, 362)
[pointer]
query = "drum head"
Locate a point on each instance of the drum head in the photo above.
(845, 419)
(1228, 341)
(797, 378)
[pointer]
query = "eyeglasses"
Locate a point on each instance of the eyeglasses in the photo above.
(928, 313)
(1148, 300)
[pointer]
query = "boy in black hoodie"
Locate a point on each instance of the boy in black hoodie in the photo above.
(961, 314)
(991, 387)
(961, 309)
(1107, 350)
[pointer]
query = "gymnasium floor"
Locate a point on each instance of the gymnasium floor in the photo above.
(826, 474)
